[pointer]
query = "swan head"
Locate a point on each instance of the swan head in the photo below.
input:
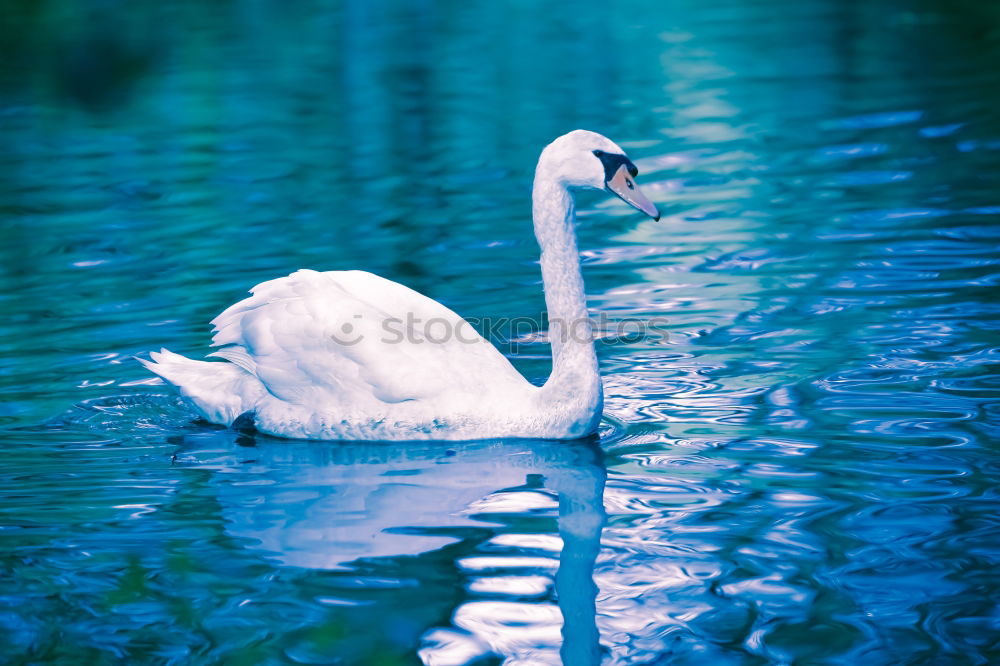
(584, 159)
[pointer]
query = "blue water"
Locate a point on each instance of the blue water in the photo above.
(802, 469)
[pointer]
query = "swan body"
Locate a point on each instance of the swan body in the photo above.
(349, 355)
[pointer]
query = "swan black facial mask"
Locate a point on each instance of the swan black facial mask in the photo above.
(618, 179)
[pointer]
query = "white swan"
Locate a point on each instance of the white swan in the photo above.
(349, 355)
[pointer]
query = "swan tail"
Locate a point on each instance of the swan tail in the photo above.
(220, 391)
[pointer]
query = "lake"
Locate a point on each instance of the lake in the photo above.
(801, 466)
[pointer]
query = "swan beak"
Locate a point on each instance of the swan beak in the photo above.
(624, 186)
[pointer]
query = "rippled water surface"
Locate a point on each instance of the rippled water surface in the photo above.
(803, 469)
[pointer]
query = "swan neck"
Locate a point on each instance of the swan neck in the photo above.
(555, 221)
(574, 361)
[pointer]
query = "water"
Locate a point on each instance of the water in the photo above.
(802, 470)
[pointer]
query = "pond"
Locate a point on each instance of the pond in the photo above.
(800, 467)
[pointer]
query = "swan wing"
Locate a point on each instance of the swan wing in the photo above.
(345, 338)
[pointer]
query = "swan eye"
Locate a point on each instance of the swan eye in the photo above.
(629, 183)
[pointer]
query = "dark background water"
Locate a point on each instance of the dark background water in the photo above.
(803, 470)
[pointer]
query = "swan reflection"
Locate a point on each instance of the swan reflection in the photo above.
(513, 526)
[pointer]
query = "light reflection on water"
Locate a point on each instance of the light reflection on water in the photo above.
(802, 469)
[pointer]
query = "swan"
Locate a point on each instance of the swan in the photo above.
(348, 355)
